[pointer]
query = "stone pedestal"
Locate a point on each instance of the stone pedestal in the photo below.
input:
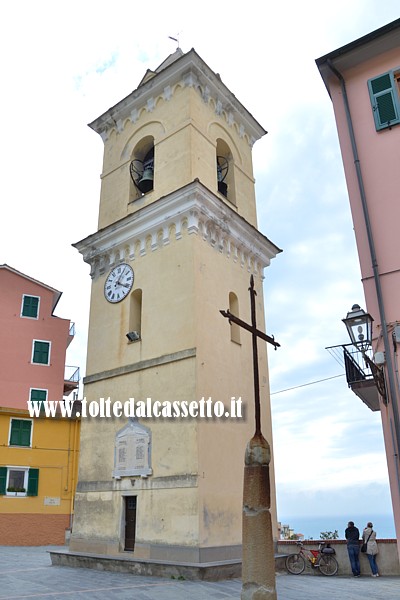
(258, 567)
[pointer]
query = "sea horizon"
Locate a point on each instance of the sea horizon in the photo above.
(311, 527)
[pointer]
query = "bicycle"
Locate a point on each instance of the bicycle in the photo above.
(321, 559)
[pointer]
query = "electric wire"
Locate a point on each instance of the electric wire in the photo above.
(306, 384)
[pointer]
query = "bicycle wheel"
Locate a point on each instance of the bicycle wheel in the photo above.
(328, 565)
(295, 564)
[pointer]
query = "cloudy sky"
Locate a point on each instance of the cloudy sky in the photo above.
(65, 63)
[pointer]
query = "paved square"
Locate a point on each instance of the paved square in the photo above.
(27, 573)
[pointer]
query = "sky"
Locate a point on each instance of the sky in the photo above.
(65, 63)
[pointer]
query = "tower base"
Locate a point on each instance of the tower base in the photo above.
(210, 571)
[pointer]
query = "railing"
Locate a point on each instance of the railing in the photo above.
(71, 333)
(71, 374)
(352, 359)
(388, 558)
(356, 367)
(359, 375)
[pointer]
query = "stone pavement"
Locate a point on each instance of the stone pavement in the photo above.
(26, 573)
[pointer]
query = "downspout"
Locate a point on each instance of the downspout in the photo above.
(378, 288)
(74, 464)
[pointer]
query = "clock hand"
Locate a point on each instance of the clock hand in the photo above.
(119, 278)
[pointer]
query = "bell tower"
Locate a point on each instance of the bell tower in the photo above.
(177, 241)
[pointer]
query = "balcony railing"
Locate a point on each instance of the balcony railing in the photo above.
(358, 373)
(71, 333)
(71, 379)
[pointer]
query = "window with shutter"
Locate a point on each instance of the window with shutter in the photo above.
(30, 306)
(20, 432)
(14, 481)
(384, 94)
(3, 480)
(39, 396)
(41, 352)
(33, 482)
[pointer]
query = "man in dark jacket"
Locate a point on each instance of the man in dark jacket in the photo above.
(352, 536)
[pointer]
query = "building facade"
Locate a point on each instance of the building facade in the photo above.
(363, 81)
(177, 241)
(38, 455)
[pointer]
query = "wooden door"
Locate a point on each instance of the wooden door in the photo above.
(130, 522)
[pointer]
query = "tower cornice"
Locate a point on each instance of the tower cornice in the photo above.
(189, 70)
(191, 210)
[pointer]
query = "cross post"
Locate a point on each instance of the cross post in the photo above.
(255, 333)
(258, 558)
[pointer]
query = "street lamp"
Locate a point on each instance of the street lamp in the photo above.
(359, 327)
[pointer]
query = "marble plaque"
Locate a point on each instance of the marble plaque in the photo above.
(49, 501)
(132, 451)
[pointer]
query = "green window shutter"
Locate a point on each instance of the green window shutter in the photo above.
(30, 306)
(20, 432)
(33, 482)
(3, 479)
(384, 100)
(41, 352)
(39, 396)
(26, 427)
(14, 434)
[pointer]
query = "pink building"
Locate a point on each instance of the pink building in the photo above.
(363, 81)
(38, 456)
(33, 342)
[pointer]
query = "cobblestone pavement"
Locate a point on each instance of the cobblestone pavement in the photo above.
(27, 573)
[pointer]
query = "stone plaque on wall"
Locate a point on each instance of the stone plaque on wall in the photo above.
(132, 451)
(50, 501)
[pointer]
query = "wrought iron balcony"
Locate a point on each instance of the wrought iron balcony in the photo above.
(360, 378)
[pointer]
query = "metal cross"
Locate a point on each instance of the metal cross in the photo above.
(256, 333)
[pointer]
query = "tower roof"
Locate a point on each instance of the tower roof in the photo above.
(169, 60)
(190, 70)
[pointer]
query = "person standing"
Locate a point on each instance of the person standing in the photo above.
(352, 535)
(369, 538)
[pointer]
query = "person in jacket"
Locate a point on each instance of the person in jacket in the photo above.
(369, 538)
(352, 535)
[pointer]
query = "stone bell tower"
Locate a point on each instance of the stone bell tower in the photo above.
(177, 241)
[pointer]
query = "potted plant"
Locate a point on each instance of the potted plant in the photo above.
(16, 490)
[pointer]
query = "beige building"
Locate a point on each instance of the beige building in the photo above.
(177, 241)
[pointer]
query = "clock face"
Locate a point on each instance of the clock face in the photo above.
(119, 283)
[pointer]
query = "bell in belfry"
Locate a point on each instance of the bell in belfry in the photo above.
(145, 184)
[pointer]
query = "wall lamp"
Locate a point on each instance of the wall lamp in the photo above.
(133, 336)
(359, 327)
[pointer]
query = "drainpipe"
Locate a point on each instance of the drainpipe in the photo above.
(371, 244)
(74, 464)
